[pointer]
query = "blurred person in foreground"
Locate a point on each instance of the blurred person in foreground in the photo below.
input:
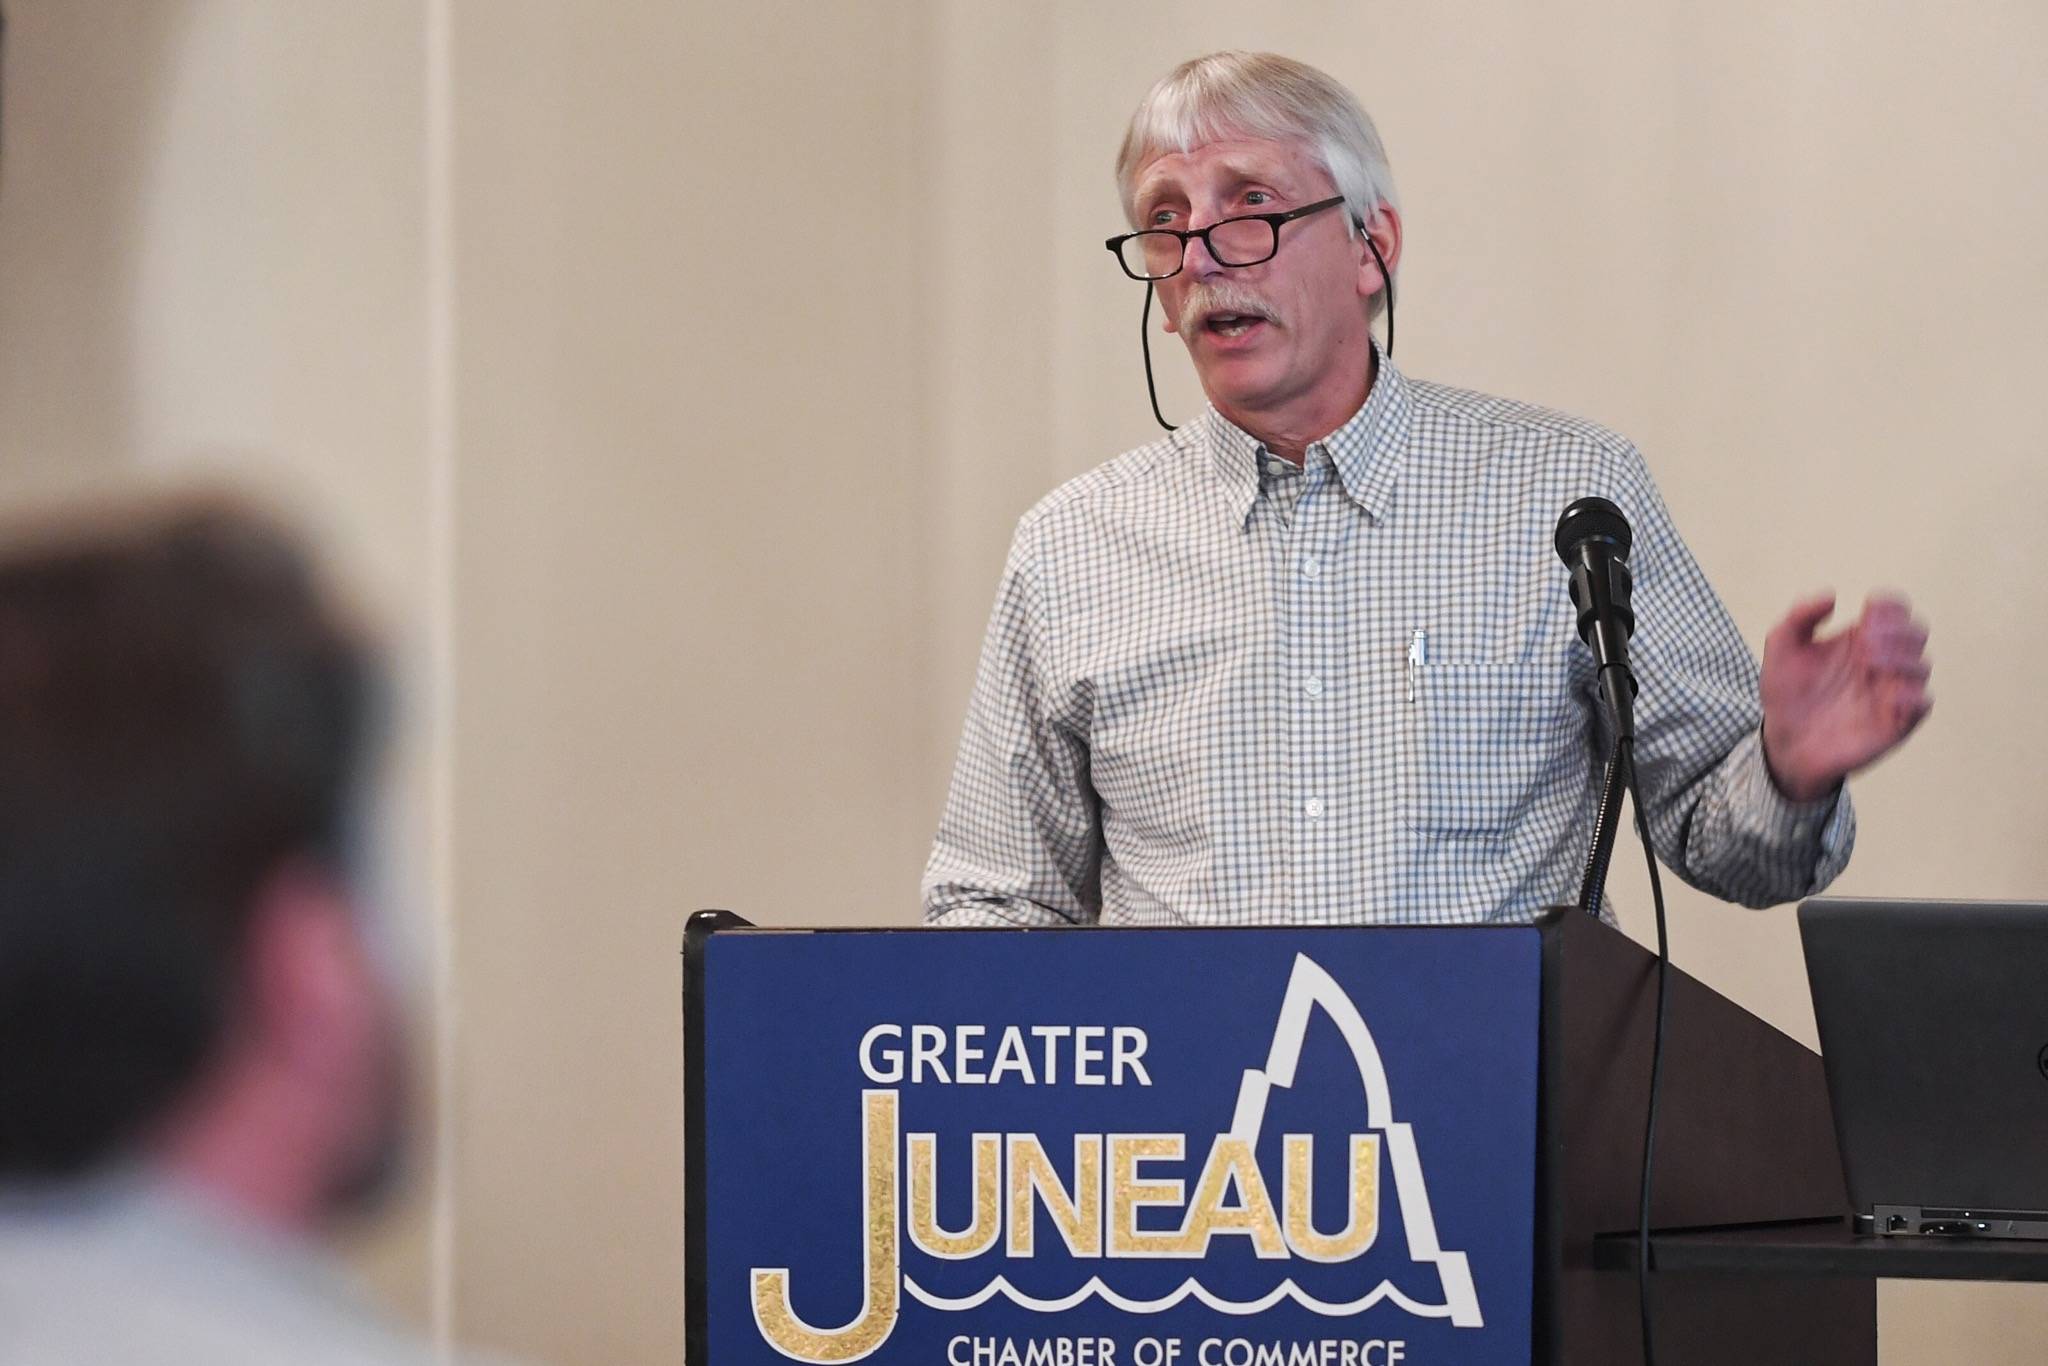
(199, 1041)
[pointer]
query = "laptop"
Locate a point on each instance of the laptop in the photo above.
(1933, 1023)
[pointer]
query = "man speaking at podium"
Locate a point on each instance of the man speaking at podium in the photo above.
(1310, 659)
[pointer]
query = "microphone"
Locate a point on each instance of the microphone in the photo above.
(1593, 541)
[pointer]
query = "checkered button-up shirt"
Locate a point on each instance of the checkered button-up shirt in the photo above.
(1218, 688)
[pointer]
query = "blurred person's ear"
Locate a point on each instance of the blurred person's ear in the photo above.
(321, 1022)
(299, 1116)
(310, 1001)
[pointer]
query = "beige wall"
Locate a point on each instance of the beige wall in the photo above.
(673, 375)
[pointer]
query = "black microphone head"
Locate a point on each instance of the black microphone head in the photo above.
(1592, 519)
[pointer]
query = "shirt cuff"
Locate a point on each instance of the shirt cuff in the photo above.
(1819, 834)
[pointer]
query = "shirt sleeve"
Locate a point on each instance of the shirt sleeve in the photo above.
(1715, 815)
(1020, 841)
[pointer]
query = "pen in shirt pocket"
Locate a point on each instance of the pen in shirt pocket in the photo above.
(1418, 655)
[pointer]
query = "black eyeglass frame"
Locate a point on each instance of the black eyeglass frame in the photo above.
(1273, 220)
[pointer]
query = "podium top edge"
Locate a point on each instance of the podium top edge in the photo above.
(703, 925)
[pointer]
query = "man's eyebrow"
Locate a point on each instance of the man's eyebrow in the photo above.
(1243, 175)
(1152, 191)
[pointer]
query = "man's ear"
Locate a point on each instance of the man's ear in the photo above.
(306, 990)
(1385, 231)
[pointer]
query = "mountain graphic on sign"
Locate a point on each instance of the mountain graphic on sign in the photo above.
(1309, 987)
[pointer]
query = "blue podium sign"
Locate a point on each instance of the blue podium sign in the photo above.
(1304, 1147)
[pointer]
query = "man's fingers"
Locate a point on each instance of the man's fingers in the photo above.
(1888, 616)
(1893, 647)
(1892, 644)
(1804, 619)
(1910, 705)
(1905, 635)
(1905, 670)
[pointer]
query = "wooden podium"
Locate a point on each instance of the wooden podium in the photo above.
(1745, 1138)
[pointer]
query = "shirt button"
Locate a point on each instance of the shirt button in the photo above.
(1313, 808)
(1313, 687)
(1311, 566)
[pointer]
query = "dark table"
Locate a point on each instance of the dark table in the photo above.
(1827, 1248)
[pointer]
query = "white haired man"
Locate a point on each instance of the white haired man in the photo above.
(1311, 658)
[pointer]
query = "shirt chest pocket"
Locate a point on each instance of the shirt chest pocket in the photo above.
(1480, 741)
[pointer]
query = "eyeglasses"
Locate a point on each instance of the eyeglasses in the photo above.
(1159, 253)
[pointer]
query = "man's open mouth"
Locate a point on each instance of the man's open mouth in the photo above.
(1231, 324)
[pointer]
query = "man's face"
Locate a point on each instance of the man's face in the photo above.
(1280, 335)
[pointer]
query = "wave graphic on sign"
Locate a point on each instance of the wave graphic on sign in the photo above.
(1189, 1289)
(1308, 986)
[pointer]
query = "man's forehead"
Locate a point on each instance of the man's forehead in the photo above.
(1237, 158)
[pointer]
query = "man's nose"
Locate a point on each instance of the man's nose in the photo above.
(1197, 260)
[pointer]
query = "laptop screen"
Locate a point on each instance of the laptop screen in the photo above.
(1933, 1024)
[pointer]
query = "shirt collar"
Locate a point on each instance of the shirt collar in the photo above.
(1367, 451)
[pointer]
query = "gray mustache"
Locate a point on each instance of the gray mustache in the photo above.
(1205, 301)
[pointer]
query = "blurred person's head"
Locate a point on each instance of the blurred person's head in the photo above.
(186, 725)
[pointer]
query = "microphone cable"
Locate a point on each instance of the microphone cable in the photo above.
(1643, 1292)
(1386, 283)
(1145, 341)
(1593, 539)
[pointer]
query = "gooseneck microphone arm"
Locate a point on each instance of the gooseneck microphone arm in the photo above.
(1593, 540)
(1613, 786)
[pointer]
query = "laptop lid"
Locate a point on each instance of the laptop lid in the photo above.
(1933, 1024)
